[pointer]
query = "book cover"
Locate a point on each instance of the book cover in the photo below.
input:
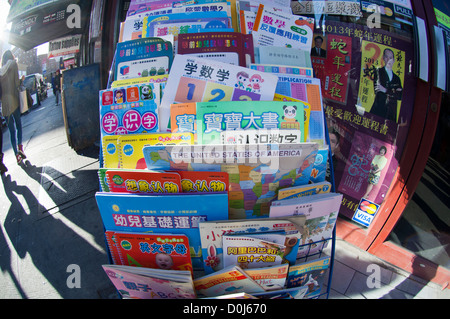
(255, 250)
(276, 28)
(142, 57)
(110, 151)
(255, 172)
(200, 181)
(230, 47)
(130, 147)
(309, 274)
(286, 57)
(317, 210)
(112, 246)
(161, 251)
(130, 109)
(169, 213)
(304, 190)
(147, 283)
(195, 80)
(216, 117)
(177, 23)
(183, 118)
(142, 181)
(321, 166)
(211, 234)
(270, 278)
(307, 90)
(230, 280)
(147, 79)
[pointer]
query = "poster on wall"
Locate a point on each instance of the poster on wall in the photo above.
(365, 73)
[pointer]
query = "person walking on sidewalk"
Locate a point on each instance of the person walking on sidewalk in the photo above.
(56, 83)
(9, 81)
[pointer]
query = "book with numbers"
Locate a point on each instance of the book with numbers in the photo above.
(162, 214)
(194, 79)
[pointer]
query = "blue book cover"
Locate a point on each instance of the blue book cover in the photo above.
(173, 214)
(142, 58)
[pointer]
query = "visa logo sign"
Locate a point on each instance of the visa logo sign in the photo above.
(365, 212)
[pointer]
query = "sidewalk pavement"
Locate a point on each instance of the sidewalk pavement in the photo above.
(50, 225)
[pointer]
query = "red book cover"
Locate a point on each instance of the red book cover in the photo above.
(163, 251)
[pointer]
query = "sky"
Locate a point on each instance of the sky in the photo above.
(4, 9)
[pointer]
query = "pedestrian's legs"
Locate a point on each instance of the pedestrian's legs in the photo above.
(12, 132)
(18, 122)
(15, 125)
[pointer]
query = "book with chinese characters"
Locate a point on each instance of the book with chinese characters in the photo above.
(304, 190)
(254, 250)
(142, 58)
(203, 181)
(260, 136)
(310, 274)
(140, 181)
(129, 110)
(191, 22)
(229, 280)
(215, 117)
(194, 79)
(289, 58)
(255, 171)
(280, 68)
(130, 147)
(211, 234)
(277, 28)
(230, 47)
(110, 151)
(169, 213)
(161, 251)
(270, 278)
(150, 283)
(183, 118)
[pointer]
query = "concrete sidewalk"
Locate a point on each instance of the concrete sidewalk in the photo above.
(50, 223)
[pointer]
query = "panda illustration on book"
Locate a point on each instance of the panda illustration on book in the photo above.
(290, 113)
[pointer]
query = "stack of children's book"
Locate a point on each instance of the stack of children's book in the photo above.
(214, 153)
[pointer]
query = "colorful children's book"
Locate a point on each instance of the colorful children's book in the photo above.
(142, 181)
(276, 28)
(110, 151)
(304, 190)
(148, 283)
(216, 117)
(310, 274)
(255, 171)
(130, 109)
(161, 251)
(307, 90)
(183, 118)
(230, 47)
(199, 181)
(230, 280)
(162, 214)
(317, 209)
(270, 278)
(196, 80)
(112, 246)
(142, 58)
(130, 147)
(319, 171)
(191, 22)
(255, 250)
(211, 234)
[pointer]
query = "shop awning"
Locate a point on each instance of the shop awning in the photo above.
(38, 21)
